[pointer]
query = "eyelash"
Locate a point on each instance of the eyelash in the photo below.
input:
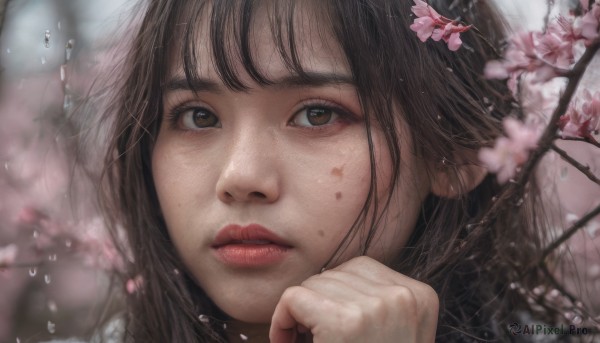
(342, 113)
(174, 115)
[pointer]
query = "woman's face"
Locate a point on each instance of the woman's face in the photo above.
(292, 158)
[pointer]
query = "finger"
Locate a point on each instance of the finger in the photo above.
(357, 282)
(297, 306)
(334, 289)
(373, 270)
(377, 272)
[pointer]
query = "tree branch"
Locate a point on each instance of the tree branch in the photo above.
(567, 234)
(578, 139)
(584, 169)
(516, 187)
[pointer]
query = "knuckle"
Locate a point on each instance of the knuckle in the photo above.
(354, 319)
(291, 293)
(402, 296)
(431, 296)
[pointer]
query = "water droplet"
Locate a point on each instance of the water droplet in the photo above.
(323, 269)
(519, 202)
(8, 50)
(243, 337)
(514, 285)
(225, 326)
(43, 59)
(47, 38)
(58, 25)
(6, 165)
(69, 48)
(51, 327)
(577, 320)
(439, 117)
(68, 243)
(52, 258)
(203, 318)
(63, 72)
(450, 69)
(18, 340)
(539, 290)
(176, 271)
(52, 306)
(47, 279)
(67, 102)
(36, 234)
(564, 172)
(32, 271)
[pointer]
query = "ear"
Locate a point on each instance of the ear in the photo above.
(454, 181)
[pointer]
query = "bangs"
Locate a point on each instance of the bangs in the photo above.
(229, 25)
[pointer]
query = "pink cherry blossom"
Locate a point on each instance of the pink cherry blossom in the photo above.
(135, 284)
(548, 54)
(588, 24)
(8, 255)
(450, 34)
(424, 27)
(582, 121)
(585, 4)
(430, 23)
(422, 9)
(510, 152)
(555, 50)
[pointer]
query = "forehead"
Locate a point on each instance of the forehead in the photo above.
(266, 40)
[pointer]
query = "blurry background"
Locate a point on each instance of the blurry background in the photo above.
(51, 51)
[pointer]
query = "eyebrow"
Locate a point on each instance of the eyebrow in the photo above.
(308, 79)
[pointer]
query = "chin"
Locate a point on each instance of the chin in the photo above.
(255, 312)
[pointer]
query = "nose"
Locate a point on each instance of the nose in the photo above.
(250, 173)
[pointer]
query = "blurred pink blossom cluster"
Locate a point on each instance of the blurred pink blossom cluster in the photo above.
(510, 152)
(430, 23)
(547, 54)
(87, 240)
(8, 255)
(582, 121)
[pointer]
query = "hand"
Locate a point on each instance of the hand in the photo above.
(361, 300)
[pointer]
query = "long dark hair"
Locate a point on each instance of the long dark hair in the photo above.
(452, 111)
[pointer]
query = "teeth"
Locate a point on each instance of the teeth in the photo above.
(257, 241)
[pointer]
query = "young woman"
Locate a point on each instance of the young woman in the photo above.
(308, 170)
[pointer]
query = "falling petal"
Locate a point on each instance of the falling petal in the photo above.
(47, 38)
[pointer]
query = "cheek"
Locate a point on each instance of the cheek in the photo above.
(410, 190)
(176, 171)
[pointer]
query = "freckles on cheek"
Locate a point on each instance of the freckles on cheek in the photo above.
(338, 172)
(338, 195)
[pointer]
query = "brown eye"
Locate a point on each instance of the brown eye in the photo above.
(315, 116)
(199, 118)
